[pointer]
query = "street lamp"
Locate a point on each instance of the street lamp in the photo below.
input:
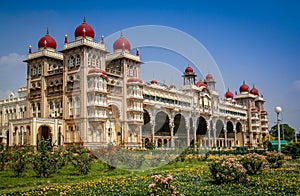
(278, 110)
(110, 119)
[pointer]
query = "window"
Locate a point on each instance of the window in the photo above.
(71, 62)
(77, 61)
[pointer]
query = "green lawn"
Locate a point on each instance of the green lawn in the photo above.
(191, 178)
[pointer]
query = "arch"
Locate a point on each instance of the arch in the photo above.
(239, 134)
(113, 126)
(159, 143)
(44, 132)
(146, 128)
(230, 131)
(179, 125)
(238, 127)
(202, 126)
(220, 129)
(162, 124)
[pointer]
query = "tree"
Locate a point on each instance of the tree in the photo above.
(286, 132)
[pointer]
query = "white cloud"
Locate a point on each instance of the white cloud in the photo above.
(297, 84)
(11, 60)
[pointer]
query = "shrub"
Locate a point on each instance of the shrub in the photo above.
(224, 170)
(45, 162)
(292, 149)
(80, 159)
(4, 156)
(162, 186)
(134, 161)
(253, 163)
(19, 159)
(275, 159)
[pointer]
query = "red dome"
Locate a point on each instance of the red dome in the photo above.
(254, 91)
(134, 80)
(121, 44)
(189, 69)
(47, 41)
(97, 71)
(89, 31)
(244, 88)
(209, 77)
(153, 82)
(200, 83)
(229, 95)
(172, 86)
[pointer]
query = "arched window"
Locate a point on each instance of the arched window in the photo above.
(77, 61)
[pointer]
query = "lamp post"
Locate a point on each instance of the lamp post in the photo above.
(278, 110)
(110, 132)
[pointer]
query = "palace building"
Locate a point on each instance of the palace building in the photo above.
(86, 95)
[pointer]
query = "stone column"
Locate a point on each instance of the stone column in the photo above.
(171, 125)
(234, 131)
(225, 132)
(188, 133)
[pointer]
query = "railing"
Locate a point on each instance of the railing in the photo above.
(45, 52)
(86, 42)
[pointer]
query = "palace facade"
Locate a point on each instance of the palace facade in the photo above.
(86, 95)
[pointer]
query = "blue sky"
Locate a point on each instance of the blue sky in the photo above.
(256, 41)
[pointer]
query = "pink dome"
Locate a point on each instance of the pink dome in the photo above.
(229, 94)
(254, 91)
(172, 86)
(200, 83)
(244, 88)
(84, 30)
(189, 69)
(209, 77)
(47, 41)
(153, 81)
(121, 44)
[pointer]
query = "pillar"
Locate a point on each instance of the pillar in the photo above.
(225, 132)
(171, 125)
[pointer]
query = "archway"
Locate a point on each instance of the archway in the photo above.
(113, 127)
(230, 134)
(44, 133)
(220, 134)
(146, 128)
(162, 123)
(202, 126)
(239, 134)
(179, 126)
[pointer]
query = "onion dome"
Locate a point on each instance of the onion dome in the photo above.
(200, 84)
(244, 88)
(209, 77)
(153, 81)
(134, 80)
(47, 42)
(84, 30)
(229, 94)
(121, 44)
(254, 91)
(189, 69)
(172, 86)
(91, 71)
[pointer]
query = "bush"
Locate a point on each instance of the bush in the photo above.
(162, 186)
(275, 159)
(224, 170)
(19, 159)
(253, 163)
(292, 149)
(80, 159)
(45, 162)
(4, 156)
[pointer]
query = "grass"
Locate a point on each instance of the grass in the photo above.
(192, 178)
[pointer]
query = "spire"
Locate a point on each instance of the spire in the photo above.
(84, 20)
(137, 53)
(30, 49)
(47, 31)
(102, 39)
(121, 35)
(66, 39)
